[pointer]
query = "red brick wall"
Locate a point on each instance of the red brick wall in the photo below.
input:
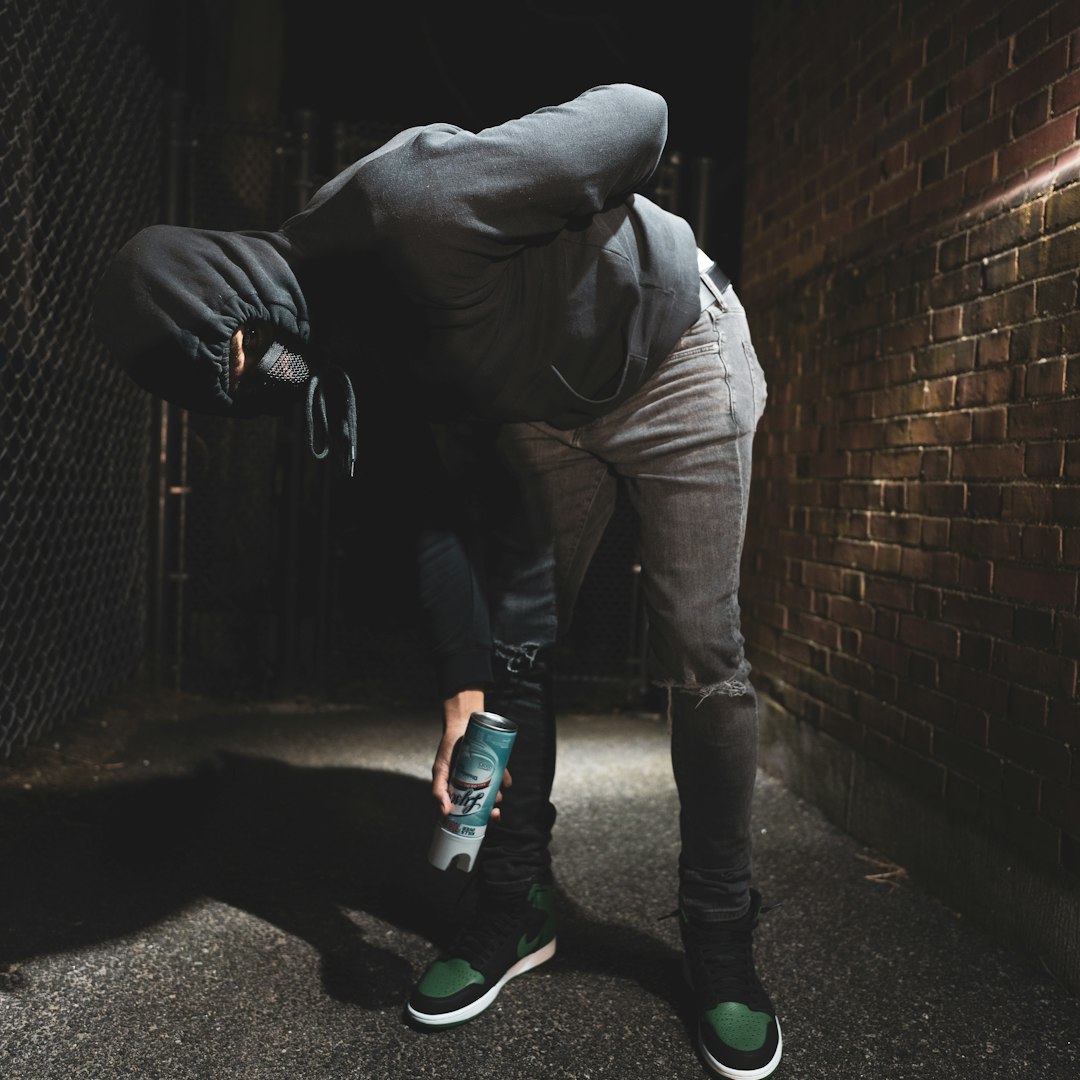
(911, 245)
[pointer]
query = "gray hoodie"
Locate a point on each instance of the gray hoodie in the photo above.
(534, 281)
(507, 274)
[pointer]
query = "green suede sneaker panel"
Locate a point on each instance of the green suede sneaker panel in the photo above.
(446, 977)
(740, 1027)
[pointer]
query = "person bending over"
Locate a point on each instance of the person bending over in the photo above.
(514, 287)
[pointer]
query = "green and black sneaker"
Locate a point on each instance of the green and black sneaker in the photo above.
(500, 941)
(738, 1032)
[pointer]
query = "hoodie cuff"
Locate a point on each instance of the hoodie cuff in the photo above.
(456, 672)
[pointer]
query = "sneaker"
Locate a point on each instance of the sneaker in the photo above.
(499, 942)
(738, 1032)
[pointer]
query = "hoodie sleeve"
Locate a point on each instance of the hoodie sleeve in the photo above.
(435, 197)
(454, 611)
(529, 177)
(449, 566)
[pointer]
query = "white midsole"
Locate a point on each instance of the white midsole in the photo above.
(745, 1074)
(467, 1012)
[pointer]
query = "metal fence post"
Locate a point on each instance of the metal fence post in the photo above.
(291, 641)
(170, 432)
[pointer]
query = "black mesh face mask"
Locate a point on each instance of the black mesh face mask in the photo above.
(282, 376)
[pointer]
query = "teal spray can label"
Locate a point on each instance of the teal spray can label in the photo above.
(474, 784)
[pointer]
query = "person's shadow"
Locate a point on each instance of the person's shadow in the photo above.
(297, 847)
(294, 846)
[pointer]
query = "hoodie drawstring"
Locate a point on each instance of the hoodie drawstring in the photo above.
(346, 433)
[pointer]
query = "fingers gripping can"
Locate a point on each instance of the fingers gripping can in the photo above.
(474, 785)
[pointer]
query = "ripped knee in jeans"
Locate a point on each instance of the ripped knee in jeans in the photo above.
(732, 688)
(519, 658)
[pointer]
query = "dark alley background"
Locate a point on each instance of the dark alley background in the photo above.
(214, 723)
(476, 63)
(471, 64)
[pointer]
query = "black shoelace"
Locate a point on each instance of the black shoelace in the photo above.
(721, 960)
(484, 932)
(722, 965)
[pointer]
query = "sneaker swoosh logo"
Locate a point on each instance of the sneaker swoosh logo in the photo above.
(527, 945)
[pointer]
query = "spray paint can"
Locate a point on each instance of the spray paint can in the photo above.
(474, 784)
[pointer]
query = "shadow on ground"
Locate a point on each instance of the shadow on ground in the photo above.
(294, 846)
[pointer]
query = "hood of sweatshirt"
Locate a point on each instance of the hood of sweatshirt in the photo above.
(171, 299)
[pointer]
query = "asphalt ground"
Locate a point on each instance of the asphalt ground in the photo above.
(243, 893)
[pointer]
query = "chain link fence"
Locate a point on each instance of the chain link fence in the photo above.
(79, 172)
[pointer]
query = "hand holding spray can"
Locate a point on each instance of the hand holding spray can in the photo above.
(474, 785)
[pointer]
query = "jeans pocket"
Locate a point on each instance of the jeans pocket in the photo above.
(757, 379)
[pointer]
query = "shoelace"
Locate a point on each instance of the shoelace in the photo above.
(721, 959)
(316, 415)
(481, 935)
(721, 962)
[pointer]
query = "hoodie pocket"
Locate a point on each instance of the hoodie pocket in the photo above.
(646, 321)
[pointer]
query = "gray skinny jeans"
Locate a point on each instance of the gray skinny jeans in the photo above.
(682, 447)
